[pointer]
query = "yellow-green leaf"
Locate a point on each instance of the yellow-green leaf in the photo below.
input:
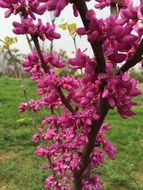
(63, 26)
(9, 40)
(72, 28)
(58, 71)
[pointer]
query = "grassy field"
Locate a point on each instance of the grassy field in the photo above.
(20, 169)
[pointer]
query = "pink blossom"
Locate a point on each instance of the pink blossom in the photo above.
(50, 134)
(36, 138)
(105, 3)
(32, 105)
(130, 13)
(52, 119)
(40, 151)
(95, 27)
(29, 61)
(102, 4)
(89, 91)
(32, 64)
(56, 184)
(51, 100)
(22, 107)
(38, 135)
(109, 148)
(24, 7)
(54, 60)
(97, 158)
(79, 61)
(117, 37)
(93, 183)
(120, 91)
(70, 84)
(57, 6)
(27, 26)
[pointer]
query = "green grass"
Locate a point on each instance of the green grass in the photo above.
(20, 169)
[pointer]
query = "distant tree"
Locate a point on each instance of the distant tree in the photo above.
(12, 56)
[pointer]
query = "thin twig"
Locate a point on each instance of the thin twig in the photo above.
(132, 178)
(29, 108)
(29, 42)
(74, 41)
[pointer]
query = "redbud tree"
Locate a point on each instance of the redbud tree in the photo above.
(72, 138)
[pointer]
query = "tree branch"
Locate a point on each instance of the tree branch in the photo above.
(96, 45)
(103, 106)
(43, 63)
(102, 111)
(64, 100)
(46, 69)
(85, 158)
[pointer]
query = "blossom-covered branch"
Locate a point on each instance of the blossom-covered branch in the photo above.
(96, 44)
(85, 158)
(46, 69)
(136, 58)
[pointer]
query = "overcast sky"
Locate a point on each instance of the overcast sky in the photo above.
(65, 42)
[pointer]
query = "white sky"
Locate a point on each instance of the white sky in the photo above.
(65, 42)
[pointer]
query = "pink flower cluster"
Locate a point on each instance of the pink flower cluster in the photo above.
(57, 6)
(54, 60)
(119, 34)
(27, 26)
(93, 183)
(32, 63)
(66, 134)
(105, 3)
(80, 60)
(32, 105)
(95, 27)
(120, 90)
(88, 93)
(24, 7)
(69, 135)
